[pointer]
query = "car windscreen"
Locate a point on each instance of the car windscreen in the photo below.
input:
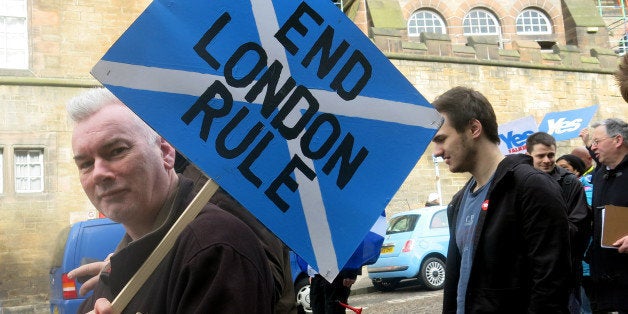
(402, 224)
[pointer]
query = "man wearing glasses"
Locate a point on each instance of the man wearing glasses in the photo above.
(608, 142)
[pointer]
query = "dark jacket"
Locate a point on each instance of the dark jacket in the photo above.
(215, 266)
(277, 253)
(521, 253)
(609, 268)
(579, 215)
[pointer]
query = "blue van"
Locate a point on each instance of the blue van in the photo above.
(82, 242)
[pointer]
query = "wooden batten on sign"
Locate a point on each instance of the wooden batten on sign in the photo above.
(130, 289)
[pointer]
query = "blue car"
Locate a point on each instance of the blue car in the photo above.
(415, 247)
(83, 242)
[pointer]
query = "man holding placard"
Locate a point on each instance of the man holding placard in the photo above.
(127, 170)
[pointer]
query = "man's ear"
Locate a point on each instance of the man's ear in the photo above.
(168, 153)
(475, 127)
(620, 140)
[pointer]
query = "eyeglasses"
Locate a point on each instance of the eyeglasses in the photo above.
(596, 142)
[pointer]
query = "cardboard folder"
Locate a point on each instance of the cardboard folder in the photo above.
(614, 224)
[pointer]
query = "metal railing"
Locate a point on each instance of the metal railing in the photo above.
(615, 10)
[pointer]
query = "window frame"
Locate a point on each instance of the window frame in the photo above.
(540, 16)
(488, 16)
(14, 37)
(435, 17)
(29, 164)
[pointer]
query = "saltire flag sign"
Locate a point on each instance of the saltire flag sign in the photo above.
(565, 125)
(286, 104)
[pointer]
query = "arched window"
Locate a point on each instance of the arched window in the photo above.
(480, 22)
(425, 21)
(533, 22)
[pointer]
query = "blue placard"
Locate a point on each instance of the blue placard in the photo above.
(565, 125)
(286, 104)
(513, 135)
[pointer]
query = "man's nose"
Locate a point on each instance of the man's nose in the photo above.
(438, 151)
(102, 170)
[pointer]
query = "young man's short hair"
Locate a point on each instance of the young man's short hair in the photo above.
(540, 138)
(462, 105)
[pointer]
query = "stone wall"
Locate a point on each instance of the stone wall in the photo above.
(34, 117)
(66, 39)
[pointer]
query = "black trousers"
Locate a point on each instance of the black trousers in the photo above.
(324, 296)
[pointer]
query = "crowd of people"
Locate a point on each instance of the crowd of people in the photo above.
(525, 230)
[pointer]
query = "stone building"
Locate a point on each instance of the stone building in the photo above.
(529, 57)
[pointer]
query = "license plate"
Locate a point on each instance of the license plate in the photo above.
(387, 249)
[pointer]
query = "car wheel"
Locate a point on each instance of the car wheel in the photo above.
(433, 273)
(302, 291)
(385, 284)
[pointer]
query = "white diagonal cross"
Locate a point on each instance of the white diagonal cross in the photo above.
(194, 84)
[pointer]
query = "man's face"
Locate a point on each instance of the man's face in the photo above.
(123, 175)
(543, 157)
(456, 148)
(603, 146)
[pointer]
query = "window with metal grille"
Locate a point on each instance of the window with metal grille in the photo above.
(480, 22)
(533, 22)
(29, 170)
(13, 35)
(425, 21)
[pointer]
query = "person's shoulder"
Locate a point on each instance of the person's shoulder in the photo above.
(515, 162)
(566, 177)
(520, 165)
(212, 215)
(525, 175)
(563, 172)
(214, 226)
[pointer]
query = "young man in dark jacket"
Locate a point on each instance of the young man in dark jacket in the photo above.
(509, 237)
(542, 148)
